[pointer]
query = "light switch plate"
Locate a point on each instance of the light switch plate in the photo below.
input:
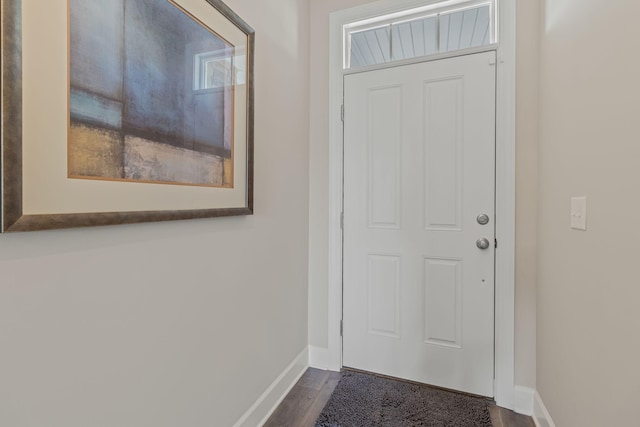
(579, 213)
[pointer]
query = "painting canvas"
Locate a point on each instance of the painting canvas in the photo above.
(151, 95)
(145, 112)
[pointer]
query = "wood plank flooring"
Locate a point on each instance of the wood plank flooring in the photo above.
(307, 398)
(305, 401)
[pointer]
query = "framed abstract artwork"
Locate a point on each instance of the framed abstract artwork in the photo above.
(124, 111)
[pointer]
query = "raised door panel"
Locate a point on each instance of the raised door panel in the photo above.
(443, 150)
(384, 138)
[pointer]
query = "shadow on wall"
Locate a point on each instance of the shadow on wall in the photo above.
(37, 244)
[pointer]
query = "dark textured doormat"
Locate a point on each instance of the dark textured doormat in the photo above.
(364, 400)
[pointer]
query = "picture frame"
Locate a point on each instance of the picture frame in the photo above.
(47, 185)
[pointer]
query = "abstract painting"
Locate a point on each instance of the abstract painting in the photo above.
(151, 95)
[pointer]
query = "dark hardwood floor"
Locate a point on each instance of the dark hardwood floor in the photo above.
(307, 398)
(305, 401)
(501, 417)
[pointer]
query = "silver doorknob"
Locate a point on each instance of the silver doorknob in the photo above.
(483, 219)
(483, 243)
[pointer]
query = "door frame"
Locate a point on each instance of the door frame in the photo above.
(504, 368)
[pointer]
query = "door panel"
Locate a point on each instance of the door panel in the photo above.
(419, 169)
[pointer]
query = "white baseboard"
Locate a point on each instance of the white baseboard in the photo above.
(523, 398)
(541, 416)
(318, 357)
(262, 409)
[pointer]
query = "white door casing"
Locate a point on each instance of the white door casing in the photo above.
(419, 168)
(505, 185)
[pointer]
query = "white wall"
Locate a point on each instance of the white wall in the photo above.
(527, 125)
(526, 180)
(171, 324)
(588, 285)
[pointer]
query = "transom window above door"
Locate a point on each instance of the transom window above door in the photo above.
(429, 30)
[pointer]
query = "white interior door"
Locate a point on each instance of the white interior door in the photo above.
(419, 170)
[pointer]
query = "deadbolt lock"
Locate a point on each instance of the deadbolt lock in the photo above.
(483, 219)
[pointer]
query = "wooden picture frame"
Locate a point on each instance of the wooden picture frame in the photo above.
(39, 191)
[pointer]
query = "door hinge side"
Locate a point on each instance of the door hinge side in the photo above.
(495, 243)
(341, 327)
(342, 113)
(341, 220)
